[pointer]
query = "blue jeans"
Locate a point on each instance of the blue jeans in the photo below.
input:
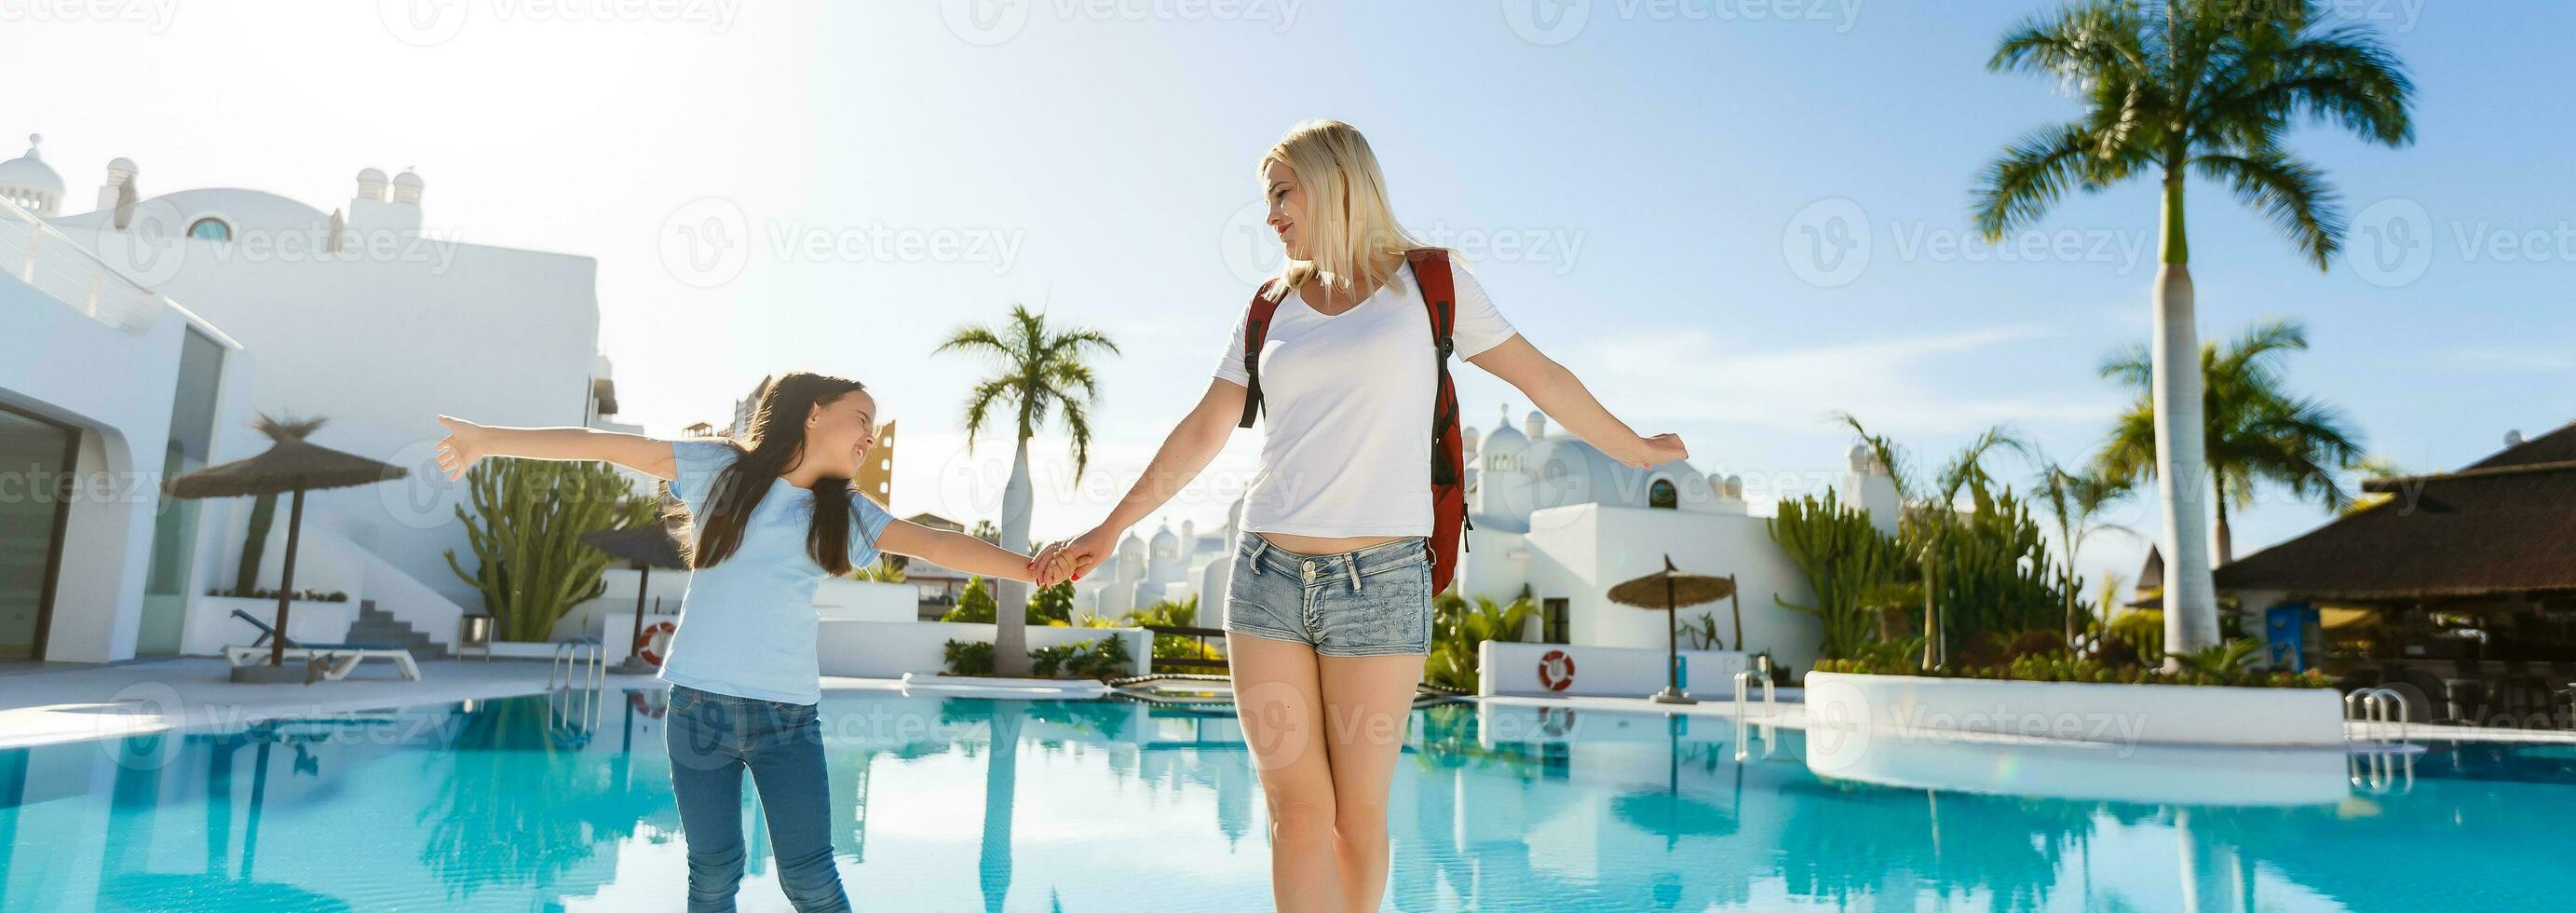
(713, 738)
(1374, 601)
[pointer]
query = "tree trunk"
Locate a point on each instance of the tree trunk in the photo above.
(2226, 539)
(2182, 455)
(1011, 597)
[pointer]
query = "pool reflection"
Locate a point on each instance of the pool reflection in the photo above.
(957, 803)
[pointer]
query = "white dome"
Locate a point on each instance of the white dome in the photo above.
(371, 174)
(29, 182)
(121, 164)
(407, 179)
(1164, 536)
(1505, 439)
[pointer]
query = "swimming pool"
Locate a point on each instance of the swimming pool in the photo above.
(563, 802)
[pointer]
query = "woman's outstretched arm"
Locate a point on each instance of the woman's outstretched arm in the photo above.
(1188, 449)
(467, 442)
(1560, 394)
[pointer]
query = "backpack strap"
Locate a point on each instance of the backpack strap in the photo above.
(1439, 296)
(1256, 328)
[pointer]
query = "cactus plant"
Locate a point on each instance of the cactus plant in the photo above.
(530, 563)
(1845, 559)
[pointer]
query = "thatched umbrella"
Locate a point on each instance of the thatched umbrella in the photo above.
(1670, 589)
(294, 466)
(644, 548)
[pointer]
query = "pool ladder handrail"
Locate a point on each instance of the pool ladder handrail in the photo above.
(2374, 706)
(578, 662)
(1744, 685)
(1770, 707)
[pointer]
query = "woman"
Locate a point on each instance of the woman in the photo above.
(1328, 609)
(770, 519)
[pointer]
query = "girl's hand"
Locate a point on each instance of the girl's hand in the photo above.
(1075, 557)
(461, 448)
(1649, 451)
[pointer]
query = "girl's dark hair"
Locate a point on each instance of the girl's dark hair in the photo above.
(778, 444)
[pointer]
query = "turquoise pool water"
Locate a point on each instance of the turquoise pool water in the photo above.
(542, 803)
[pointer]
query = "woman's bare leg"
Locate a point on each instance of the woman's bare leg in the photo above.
(1368, 700)
(1278, 699)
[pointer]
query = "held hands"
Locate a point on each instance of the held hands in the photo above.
(1072, 558)
(1648, 451)
(461, 448)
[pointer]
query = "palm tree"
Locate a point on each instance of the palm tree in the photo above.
(2075, 499)
(2171, 89)
(1040, 373)
(2253, 430)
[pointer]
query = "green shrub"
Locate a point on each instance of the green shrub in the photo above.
(969, 657)
(1103, 658)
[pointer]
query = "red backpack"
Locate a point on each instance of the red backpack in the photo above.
(1448, 453)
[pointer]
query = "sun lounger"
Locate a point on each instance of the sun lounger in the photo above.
(329, 662)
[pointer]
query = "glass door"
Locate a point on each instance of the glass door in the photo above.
(36, 459)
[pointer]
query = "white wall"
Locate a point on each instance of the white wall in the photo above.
(1580, 551)
(381, 344)
(1513, 669)
(118, 387)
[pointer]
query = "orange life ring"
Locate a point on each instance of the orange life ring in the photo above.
(1556, 670)
(655, 641)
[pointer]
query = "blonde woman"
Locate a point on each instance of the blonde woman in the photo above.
(1328, 612)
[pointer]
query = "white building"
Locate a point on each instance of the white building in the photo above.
(357, 314)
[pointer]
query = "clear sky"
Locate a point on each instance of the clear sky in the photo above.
(1643, 186)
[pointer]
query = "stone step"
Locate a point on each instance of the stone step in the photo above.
(376, 626)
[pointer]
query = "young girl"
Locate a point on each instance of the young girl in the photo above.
(771, 518)
(1328, 609)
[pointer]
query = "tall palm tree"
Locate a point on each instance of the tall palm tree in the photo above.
(1039, 373)
(2171, 89)
(2076, 499)
(2253, 430)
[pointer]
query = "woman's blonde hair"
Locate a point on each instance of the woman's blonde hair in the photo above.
(1353, 239)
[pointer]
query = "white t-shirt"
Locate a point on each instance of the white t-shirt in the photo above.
(1347, 402)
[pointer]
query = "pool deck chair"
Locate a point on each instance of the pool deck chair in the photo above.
(330, 662)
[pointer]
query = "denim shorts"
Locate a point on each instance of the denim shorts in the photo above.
(1374, 601)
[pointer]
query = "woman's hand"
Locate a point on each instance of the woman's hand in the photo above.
(463, 445)
(1073, 558)
(1645, 452)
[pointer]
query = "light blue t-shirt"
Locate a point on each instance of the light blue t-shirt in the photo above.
(747, 625)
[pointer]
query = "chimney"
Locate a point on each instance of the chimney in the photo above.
(120, 181)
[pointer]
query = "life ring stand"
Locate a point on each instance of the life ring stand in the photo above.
(655, 641)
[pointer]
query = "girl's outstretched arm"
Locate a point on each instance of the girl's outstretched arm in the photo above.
(467, 442)
(956, 550)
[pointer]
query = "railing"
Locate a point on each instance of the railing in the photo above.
(50, 261)
(1192, 663)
